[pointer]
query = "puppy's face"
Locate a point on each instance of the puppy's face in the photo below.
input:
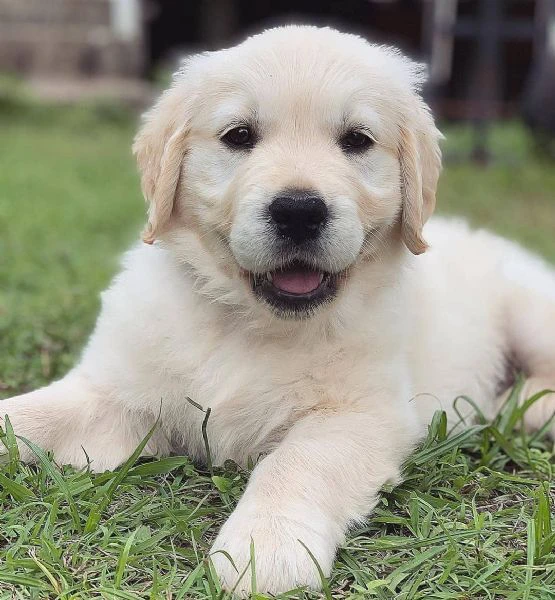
(292, 158)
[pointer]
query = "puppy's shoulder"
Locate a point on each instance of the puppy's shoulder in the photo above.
(150, 276)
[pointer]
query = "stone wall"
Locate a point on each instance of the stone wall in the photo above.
(65, 38)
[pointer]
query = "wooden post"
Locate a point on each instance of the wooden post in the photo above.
(488, 74)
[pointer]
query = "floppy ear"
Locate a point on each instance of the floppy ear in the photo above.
(420, 160)
(159, 148)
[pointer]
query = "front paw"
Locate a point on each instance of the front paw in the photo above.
(281, 562)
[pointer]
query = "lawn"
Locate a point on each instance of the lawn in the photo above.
(473, 519)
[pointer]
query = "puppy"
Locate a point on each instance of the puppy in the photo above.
(284, 283)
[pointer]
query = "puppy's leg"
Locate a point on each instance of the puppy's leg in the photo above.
(325, 475)
(74, 421)
(531, 331)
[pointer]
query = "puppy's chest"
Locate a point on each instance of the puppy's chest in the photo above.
(255, 399)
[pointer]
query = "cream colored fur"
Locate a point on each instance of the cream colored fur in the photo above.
(332, 403)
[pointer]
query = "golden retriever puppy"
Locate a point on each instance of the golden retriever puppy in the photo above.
(287, 284)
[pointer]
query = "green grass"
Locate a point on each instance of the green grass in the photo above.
(473, 519)
(515, 196)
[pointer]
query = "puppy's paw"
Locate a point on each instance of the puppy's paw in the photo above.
(281, 562)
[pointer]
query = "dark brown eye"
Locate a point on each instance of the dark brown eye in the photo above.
(239, 137)
(355, 141)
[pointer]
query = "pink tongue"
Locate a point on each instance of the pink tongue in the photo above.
(296, 282)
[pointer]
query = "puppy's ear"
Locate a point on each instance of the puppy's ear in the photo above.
(420, 160)
(159, 148)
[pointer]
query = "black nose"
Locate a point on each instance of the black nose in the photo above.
(299, 216)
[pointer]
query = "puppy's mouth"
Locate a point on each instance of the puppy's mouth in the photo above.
(295, 289)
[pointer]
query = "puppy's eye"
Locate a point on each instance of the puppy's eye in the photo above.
(355, 141)
(239, 137)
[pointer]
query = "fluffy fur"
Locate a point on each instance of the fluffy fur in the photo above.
(332, 401)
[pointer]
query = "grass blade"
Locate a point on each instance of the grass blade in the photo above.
(122, 561)
(58, 478)
(16, 490)
(96, 513)
(324, 580)
(9, 440)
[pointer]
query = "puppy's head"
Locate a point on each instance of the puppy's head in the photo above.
(283, 164)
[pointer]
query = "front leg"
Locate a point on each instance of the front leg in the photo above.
(324, 476)
(79, 425)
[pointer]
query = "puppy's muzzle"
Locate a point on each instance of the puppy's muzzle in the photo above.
(299, 216)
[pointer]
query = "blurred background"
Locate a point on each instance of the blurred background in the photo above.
(75, 75)
(488, 58)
